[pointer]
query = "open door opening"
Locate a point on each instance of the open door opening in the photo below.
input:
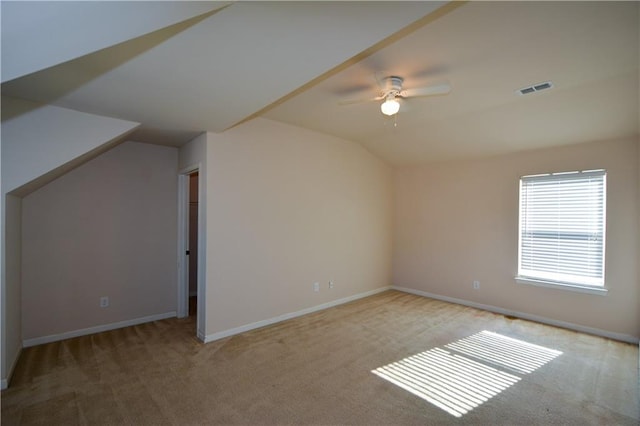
(192, 250)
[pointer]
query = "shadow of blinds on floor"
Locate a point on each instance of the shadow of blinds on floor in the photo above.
(468, 372)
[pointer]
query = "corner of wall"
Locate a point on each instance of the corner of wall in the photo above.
(3, 322)
(11, 288)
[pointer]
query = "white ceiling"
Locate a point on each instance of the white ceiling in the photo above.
(201, 66)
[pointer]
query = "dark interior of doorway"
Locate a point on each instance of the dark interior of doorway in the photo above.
(193, 243)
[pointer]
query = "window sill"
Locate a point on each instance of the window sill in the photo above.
(602, 291)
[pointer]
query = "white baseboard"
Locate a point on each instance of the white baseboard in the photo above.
(571, 326)
(237, 330)
(97, 329)
(4, 384)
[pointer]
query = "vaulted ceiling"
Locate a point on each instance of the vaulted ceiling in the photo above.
(181, 68)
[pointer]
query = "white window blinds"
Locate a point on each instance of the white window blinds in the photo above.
(562, 228)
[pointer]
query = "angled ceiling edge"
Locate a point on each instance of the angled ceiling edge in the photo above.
(73, 74)
(41, 34)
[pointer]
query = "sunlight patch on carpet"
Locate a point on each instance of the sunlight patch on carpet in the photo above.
(504, 351)
(448, 381)
(466, 373)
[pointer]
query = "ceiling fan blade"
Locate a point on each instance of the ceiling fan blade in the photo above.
(360, 101)
(436, 89)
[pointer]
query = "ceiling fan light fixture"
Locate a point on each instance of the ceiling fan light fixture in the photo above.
(390, 107)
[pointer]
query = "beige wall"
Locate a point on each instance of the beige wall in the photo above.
(288, 207)
(458, 222)
(107, 228)
(193, 154)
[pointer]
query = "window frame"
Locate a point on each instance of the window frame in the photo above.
(540, 280)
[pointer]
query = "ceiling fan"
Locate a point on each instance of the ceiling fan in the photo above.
(391, 91)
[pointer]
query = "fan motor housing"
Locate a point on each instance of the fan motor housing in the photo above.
(393, 84)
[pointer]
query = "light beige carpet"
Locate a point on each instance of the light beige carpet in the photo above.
(389, 359)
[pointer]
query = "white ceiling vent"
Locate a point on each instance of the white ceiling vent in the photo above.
(535, 88)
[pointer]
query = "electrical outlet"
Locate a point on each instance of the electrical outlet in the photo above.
(104, 302)
(316, 286)
(330, 284)
(476, 285)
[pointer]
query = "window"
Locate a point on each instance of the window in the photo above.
(562, 229)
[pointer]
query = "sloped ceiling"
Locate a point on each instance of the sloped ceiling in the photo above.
(486, 51)
(213, 72)
(181, 68)
(38, 35)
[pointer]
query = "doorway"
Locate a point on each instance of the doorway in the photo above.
(192, 248)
